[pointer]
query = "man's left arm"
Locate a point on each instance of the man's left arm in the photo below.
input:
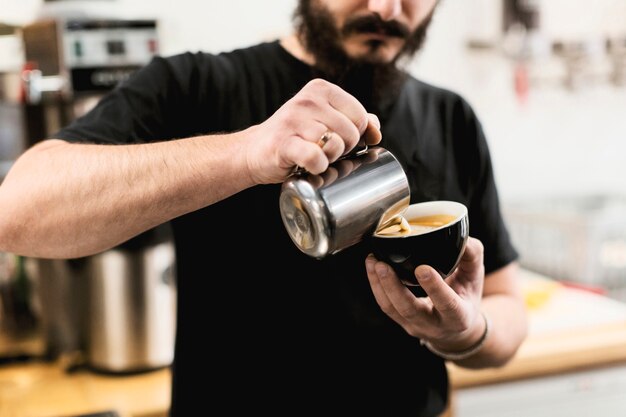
(503, 305)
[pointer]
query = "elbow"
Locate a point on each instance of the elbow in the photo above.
(22, 194)
(10, 230)
(16, 220)
(513, 344)
(505, 358)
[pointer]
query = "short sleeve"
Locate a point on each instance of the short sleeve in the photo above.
(145, 108)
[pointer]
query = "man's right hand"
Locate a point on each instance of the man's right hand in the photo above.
(291, 136)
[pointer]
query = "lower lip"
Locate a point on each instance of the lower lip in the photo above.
(377, 36)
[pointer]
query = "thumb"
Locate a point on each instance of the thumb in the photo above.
(372, 134)
(434, 285)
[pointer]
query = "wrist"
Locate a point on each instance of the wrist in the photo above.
(457, 353)
(247, 166)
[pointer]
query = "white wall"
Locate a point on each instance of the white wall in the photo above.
(559, 142)
(210, 25)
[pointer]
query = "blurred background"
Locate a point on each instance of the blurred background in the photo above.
(548, 81)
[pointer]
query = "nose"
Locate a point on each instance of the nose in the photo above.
(386, 9)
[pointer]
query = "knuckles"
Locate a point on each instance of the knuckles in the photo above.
(305, 102)
(319, 85)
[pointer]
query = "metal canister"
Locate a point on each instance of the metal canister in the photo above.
(132, 304)
(329, 212)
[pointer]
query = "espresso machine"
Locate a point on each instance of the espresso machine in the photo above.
(71, 63)
(113, 311)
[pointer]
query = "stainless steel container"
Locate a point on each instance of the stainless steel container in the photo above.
(327, 213)
(132, 303)
(21, 335)
(61, 288)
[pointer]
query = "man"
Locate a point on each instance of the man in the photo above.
(205, 141)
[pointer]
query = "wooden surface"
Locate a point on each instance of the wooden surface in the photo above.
(551, 354)
(46, 390)
(570, 329)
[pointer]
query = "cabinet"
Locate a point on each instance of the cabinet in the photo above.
(578, 394)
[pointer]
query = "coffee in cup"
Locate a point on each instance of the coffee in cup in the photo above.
(400, 226)
(433, 233)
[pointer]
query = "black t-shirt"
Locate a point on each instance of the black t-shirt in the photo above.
(258, 318)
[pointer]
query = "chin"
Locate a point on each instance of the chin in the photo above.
(376, 57)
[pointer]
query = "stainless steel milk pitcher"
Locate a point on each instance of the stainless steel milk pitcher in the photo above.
(329, 212)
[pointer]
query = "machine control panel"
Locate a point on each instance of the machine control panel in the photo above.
(91, 54)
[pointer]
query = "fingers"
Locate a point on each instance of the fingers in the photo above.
(468, 279)
(444, 299)
(332, 145)
(395, 299)
(372, 134)
(315, 157)
(339, 113)
(463, 285)
(446, 313)
(377, 290)
(314, 128)
(305, 154)
(345, 104)
(473, 255)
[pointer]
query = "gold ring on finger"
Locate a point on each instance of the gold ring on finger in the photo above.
(324, 138)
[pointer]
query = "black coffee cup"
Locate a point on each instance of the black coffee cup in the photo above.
(439, 233)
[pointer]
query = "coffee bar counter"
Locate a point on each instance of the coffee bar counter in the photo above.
(575, 335)
(574, 359)
(44, 389)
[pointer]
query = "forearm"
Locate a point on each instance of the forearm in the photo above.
(503, 305)
(65, 200)
(506, 332)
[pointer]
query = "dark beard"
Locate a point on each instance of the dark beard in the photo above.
(374, 84)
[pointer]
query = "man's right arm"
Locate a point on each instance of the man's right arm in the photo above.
(63, 200)
(69, 200)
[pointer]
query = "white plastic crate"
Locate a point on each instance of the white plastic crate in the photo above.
(582, 240)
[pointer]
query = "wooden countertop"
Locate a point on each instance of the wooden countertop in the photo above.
(42, 389)
(569, 329)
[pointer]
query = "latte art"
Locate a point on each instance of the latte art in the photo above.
(400, 226)
(397, 225)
